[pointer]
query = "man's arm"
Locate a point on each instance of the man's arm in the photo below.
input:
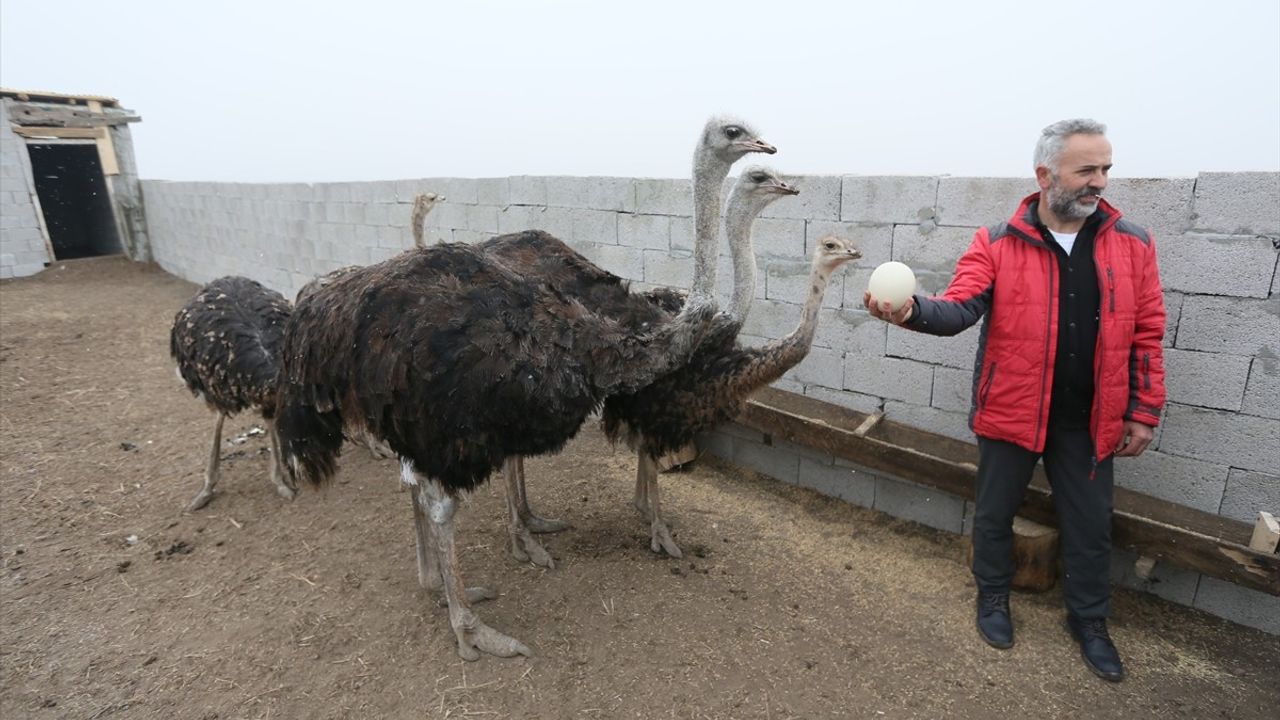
(965, 300)
(1146, 360)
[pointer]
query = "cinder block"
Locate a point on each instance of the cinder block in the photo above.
(772, 319)
(1162, 205)
(844, 483)
(622, 261)
(1211, 380)
(889, 378)
(716, 443)
(662, 269)
(1238, 604)
(493, 191)
(557, 221)
(596, 193)
(377, 214)
(1172, 313)
(926, 506)
(846, 399)
(664, 197)
(482, 218)
(1229, 325)
(957, 351)
(1167, 581)
(851, 331)
(1180, 480)
(789, 385)
(778, 237)
(819, 199)
(976, 202)
(820, 367)
(527, 190)
(1238, 203)
(594, 226)
(1240, 441)
(651, 232)
(733, 429)
(952, 425)
(788, 281)
(766, 460)
(1262, 394)
(517, 218)
(682, 234)
(885, 200)
(1239, 266)
(27, 270)
(1247, 493)
(952, 389)
(938, 251)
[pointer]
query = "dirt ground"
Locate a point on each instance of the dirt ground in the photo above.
(787, 604)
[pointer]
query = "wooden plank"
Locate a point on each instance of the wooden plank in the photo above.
(106, 148)
(46, 115)
(1161, 530)
(55, 132)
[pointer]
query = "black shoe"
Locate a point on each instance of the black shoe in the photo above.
(994, 624)
(1096, 648)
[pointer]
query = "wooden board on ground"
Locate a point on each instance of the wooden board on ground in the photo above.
(679, 458)
(1266, 533)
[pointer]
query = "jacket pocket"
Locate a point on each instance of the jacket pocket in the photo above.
(986, 387)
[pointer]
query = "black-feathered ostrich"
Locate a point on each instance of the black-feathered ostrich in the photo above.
(714, 385)
(226, 341)
(722, 142)
(457, 363)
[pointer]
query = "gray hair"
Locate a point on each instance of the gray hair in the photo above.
(1054, 138)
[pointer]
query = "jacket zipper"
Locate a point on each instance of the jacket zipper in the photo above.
(1111, 288)
(1097, 357)
(1048, 338)
(986, 387)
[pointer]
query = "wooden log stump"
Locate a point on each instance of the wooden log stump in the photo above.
(1035, 555)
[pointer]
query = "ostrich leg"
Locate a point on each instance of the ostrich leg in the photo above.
(660, 539)
(474, 637)
(523, 546)
(279, 476)
(203, 497)
(428, 561)
(533, 521)
(641, 498)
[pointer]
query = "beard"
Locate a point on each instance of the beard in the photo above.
(1066, 204)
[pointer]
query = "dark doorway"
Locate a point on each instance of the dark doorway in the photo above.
(73, 196)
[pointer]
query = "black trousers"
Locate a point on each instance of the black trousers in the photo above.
(1083, 505)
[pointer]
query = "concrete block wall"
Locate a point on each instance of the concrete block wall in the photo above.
(22, 248)
(1217, 450)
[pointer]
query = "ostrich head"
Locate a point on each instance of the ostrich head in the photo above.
(831, 252)
(728, 139)
(756, 188)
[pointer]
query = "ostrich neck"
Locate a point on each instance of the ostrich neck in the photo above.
(737, 226)
(777, 357)
(708, 177)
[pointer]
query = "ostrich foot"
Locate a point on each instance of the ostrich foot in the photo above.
(660, 539)
(286, 492)
(474, 595)
(475, 637)
(526, 549)
(539, 524)
(201, 499)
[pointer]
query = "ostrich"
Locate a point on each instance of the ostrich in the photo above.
(722, 142)
(711, 388)
(226, 341)
(456, 363)
(423, 203)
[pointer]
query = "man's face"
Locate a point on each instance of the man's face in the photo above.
(1074, 191)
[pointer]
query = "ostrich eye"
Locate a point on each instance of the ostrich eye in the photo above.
(758, 177)
(830, 246)
(733, 132)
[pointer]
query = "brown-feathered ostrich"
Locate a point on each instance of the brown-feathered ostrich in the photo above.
(226, 341)
(423, 204)
(457, 363)
(711, 388)
(722, 142)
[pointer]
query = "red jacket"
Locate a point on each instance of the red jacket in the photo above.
(1010, 275)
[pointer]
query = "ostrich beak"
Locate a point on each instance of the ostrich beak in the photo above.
(783, 188)
(757, 145)
(853, 253)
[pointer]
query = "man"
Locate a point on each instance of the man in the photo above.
(1069, 369)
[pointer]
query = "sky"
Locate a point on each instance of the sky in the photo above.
(276, 91)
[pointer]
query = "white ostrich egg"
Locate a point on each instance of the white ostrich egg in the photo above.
(892, 282)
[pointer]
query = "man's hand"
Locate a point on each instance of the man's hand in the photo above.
(884, 310)
(1136, 439)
